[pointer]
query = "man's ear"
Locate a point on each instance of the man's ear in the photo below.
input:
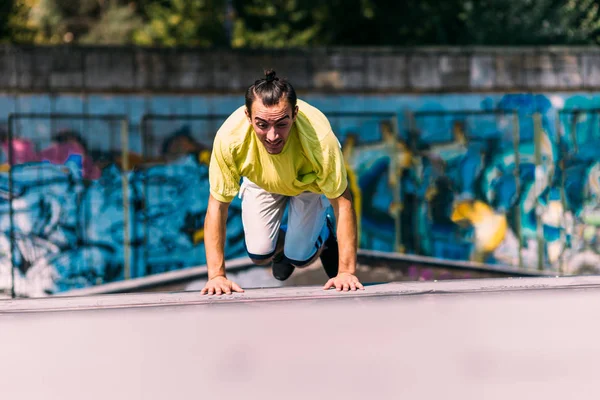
(248, 115)
(295, 113)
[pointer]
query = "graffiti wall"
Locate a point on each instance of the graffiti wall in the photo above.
(466, 177)
(513, 182)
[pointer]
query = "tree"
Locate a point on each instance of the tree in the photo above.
(283, 23)
(198, 23)
(115, 25)
(297, 23)
(87, 21)
(6, 11)
(532, 22)
(14, 21)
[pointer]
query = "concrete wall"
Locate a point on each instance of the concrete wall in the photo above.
(105, 69)
(80, 214)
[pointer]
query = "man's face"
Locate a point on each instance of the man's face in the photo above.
(272, 124)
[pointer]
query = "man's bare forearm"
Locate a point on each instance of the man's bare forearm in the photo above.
(215, 225)
(346, 233)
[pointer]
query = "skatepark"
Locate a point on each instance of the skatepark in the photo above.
(476, 193)
(510, 335)
(494, 338)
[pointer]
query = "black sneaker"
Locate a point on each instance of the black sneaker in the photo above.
(330, 256)
(281, 268)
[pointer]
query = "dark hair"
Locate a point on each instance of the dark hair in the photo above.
(270, 90)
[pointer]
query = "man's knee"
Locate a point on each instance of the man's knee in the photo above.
(261, 257)
(261, 252)
(303, 256)
(303, 262)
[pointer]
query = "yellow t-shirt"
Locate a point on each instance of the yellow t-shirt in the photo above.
(311, 159)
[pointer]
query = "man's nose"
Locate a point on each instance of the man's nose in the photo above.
(271, 134)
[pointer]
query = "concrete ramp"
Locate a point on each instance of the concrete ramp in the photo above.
(478, 339)
(373, 266)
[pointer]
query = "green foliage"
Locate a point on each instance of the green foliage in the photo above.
(277, 23)
(6, 9)
(534, 22)
(282, 23)
(87, 21)
(296, 23)
(14, 21)
(116, 25)
(198, 23)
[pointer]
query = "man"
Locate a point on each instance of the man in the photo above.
(285, 153)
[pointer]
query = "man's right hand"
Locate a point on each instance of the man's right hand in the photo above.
(219, 285)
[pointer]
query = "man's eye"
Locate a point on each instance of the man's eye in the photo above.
(281, 125)
(262, 126)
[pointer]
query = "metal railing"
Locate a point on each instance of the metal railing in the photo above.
(403, 149)
(450, 136)
(165, 138)
(360, 132)
(71, 141)
(577, 137)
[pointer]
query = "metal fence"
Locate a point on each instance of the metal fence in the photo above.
(168, 136)
(73, 195)
(452, 149)
(52, 160)
(578, 130)
(369, 138)
(166, 139)
(578, 176)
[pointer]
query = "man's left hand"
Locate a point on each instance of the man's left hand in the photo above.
(344, 281)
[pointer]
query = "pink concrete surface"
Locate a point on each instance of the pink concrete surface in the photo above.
(498, 339)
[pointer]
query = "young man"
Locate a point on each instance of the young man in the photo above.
(285, 152)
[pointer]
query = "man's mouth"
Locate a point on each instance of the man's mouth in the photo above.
(274, 145)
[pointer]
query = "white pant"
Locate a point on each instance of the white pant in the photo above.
(262, 213)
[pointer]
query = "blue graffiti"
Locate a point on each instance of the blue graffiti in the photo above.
(70, 233)
(467, 188)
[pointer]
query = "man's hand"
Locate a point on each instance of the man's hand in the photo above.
(344, 281)
(219, 285)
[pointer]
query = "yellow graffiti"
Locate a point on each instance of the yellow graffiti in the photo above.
(401, 158)
(593, 181)
(204, 157)
(356, 198)
(198, 236)
(490, 227)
